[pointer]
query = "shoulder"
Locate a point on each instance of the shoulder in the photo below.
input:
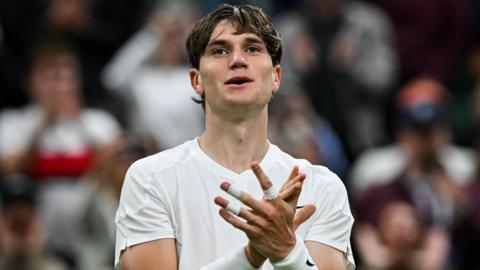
(319, 179)
(165, 160)
(97, 115)
(378, 165)
(100, 125)
(317, 174)
(148, 177)
(12, 115)
(325, 182)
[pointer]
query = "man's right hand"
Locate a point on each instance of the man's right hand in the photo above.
(270, 224)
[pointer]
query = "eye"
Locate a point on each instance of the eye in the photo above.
(219, 51)
(253, 50)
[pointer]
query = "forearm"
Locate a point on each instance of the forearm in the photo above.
(236, 260)
(247, 258)
(130, 58)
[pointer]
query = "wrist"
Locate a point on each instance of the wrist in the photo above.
(287, 250)
(298, 258)
(254, 257)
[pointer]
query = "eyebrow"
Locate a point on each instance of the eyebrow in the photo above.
(254, 40)
(223, 42)
(216, 42)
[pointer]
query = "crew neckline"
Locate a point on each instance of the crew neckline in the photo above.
(216, 167)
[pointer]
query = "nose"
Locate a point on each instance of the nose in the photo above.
(237, 60)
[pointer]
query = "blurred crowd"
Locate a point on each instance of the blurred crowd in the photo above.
(385, 93)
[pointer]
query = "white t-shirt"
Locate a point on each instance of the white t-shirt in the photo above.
(93, 127)
(170, 195)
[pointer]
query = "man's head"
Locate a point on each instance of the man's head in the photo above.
(422, 104)
(422, 119)
(54, 76)
(233, 44)
(246, 18)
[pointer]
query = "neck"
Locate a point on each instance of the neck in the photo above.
(235, 144)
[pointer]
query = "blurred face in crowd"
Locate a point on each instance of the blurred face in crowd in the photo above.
(422, 145)
(20, 229)
(235, 70)
(399, 227)
(54, 84)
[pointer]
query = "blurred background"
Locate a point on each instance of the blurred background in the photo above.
(385, 93)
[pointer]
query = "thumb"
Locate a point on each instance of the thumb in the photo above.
(302, 215)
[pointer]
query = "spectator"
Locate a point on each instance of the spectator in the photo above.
(352, 71)
(95, 28)
(95, 239)
(425, 174)
(150, 71)
(21, 232)
(422, 129)
(400, 241)
(294, 126)
(54, 140)
(54, 136)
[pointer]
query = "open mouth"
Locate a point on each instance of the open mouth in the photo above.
(238, 80)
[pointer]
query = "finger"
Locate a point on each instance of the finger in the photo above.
(290, 179)
(270, 192)
(237, 223)
(294, 199)
(246, 214)
(265, 183)
(292, 192)
(302, 215)
(292, 189)
(245, 198)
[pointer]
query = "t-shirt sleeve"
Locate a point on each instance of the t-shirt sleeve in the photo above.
(332, 221)
(143, 215)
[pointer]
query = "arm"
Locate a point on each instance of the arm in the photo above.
(270, 227)
(129, 59)
(20, 161)
(248, 257)
(325, 257)
(155, 255)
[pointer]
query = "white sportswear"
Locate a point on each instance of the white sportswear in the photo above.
(170, 195)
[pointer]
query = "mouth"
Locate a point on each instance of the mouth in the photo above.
(238, 80)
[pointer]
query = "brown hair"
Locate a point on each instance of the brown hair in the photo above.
(247, 19)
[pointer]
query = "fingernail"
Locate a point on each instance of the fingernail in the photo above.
(217, 200)
(225, 185)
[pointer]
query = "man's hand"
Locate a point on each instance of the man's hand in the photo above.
(269, 224)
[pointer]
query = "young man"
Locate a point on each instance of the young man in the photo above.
(167, 217)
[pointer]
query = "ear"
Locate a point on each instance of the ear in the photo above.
(196, 81)
(276, 78)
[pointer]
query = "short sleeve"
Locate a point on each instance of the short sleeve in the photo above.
(142, 215)
(332, 221)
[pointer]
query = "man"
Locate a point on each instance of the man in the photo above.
(54, 136)
(167, 218)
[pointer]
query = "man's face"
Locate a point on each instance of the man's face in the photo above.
(55, 84)
(235, 71)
